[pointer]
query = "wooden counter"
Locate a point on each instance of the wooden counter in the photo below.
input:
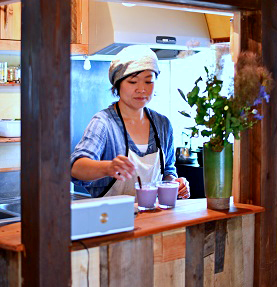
(187, 213)
(185, 246)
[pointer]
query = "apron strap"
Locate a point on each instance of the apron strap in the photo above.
(158, 142)
(108, 187)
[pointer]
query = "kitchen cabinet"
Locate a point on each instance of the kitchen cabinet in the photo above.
(10, 25)
(10, 22)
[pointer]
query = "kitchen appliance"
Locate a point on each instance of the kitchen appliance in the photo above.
(113, 26)
(102, 216)
(184, 155)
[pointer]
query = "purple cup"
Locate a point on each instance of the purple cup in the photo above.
(146, 196)
(167, 193)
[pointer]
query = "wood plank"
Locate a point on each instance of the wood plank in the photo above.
(209, 246)
(45, 174)
(248, 238)
(209, 271)
(10, 21)
(5, 2)
(233, 273)
(10, 237)
(131, 263)
(220, 237)
(79, 49)
(220, 4)
(104, 266)
(10, 84)
(8, 169)
(170, 245)
(85, 11)
(74, 11)
(9, 140)
(194, 273)
(10, 45)
(10, 269)
(85, 267)
(171, 273)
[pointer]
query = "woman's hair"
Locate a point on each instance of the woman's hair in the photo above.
(116, 87)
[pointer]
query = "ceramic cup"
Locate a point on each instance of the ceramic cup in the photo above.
(167, 193)
(146, 196)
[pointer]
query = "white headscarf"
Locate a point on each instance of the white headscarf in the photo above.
(132, 59)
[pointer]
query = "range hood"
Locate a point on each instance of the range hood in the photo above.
(113, 26)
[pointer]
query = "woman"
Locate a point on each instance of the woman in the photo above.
(127, 140)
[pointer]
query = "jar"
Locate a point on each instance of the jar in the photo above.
(3, 72)
(10, 76)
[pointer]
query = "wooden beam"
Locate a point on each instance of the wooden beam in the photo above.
(268, 238)
(218, 4)
(45, 148)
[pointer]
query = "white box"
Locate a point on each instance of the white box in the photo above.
(102, 216)
(10, 128)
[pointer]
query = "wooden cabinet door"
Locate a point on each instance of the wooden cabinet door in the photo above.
(79, 21)
(10, 22)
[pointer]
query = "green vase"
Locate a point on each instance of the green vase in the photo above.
(218, 176)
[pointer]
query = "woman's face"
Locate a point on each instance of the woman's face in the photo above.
(137, 90)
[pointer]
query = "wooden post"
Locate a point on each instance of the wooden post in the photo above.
(45, 150)
(268, 235)
(259, 159)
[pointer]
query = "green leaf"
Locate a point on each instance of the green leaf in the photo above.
(183, 95)
(193, 96)
(235, 122)
(206, 133)
(198, 80)
(219, 103)
(184, 114)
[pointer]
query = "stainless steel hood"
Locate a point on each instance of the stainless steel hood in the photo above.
(113, 26)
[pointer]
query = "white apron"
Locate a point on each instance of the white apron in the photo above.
(148, 168)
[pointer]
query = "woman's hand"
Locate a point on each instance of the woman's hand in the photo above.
(121, 168)
(184, 191)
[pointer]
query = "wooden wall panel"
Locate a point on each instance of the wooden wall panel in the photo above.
(131, 263)
(10, 268)
(194, 273)
(169, 258)
(170, 273)
(85, 267)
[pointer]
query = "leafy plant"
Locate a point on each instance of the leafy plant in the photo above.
(219, 116)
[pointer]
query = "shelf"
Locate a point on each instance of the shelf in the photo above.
(10, 85)
(9, 140)
(8, 169)
(15, 46)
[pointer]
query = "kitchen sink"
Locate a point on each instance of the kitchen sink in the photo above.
(13, 208)
(7, 218)
(10, 210)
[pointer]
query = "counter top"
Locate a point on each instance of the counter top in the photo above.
(186, 213)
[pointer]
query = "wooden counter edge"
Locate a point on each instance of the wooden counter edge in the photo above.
(10, 235)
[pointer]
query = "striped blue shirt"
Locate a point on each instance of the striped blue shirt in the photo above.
(103, 139)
